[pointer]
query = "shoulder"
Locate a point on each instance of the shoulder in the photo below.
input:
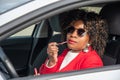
(92, 59)
(92, 55)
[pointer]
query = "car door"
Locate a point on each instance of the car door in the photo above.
(107, 73)
(23, 47)
(17, 47)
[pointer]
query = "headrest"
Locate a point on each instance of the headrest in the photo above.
(111, 13)
(55, 24)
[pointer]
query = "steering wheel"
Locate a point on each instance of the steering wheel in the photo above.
(8, 65)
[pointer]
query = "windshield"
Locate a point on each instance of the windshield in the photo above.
(6, 5)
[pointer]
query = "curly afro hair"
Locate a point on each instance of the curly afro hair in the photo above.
(94, 24)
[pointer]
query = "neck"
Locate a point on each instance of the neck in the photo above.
(76, 51)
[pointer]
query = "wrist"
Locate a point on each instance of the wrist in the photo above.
(50, 64)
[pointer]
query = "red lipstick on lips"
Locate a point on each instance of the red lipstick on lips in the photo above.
(71, 41)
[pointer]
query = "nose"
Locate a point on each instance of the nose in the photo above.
(74, 33)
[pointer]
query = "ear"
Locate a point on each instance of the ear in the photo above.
(86, 49)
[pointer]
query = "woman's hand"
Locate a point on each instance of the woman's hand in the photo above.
(52, 51)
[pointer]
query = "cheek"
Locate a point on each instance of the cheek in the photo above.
(68, 37)
(82, 43)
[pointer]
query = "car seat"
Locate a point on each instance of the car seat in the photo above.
(111, 13)
(56, 37)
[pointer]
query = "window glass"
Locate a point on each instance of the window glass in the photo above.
(95, 9)
(26, 32)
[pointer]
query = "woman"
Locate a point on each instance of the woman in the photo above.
(86, 36)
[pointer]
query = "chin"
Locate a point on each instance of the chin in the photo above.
(71, 47)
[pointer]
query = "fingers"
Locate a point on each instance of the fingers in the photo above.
(52, 48)
(36, 72)
(52, 51)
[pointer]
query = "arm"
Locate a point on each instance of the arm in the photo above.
(50, 65)
(45, 69)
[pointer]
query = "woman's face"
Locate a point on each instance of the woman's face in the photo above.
(77, 38)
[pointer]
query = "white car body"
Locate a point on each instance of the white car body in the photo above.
(22, 10)
(13, 20)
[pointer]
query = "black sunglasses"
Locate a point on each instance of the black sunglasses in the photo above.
(71, 29)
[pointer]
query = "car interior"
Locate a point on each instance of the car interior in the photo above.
(35, 49)
(111, 14)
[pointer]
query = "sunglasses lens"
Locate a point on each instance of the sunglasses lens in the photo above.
(81, 32)
(70, 29)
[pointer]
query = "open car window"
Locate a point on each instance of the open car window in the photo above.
(27, 47)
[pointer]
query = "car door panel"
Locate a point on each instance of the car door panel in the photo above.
(104, 73)
(18, 51)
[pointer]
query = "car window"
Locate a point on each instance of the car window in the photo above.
(95, 9)
(36, 46)
(25, 32)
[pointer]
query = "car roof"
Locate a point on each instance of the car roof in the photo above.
(14, 9)
(6, 5)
